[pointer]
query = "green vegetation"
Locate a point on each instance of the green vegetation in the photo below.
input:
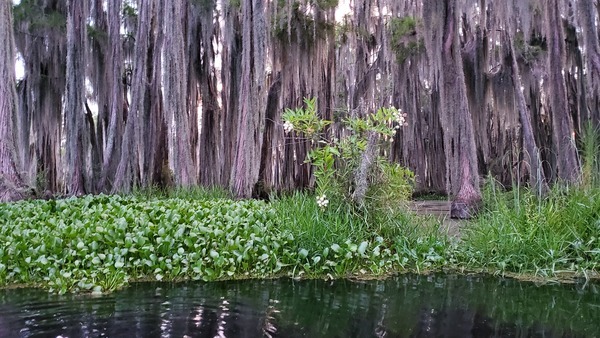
(300, 23)
(530, 50)
(552, 235)
(590, 154)
(404, 38)
(33, 13)
(523, 233)
(99, 243)
(338, 163)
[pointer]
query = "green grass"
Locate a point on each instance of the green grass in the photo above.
(589, 145)
(523, 233)
(408, 241)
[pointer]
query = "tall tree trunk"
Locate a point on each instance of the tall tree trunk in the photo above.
(251, 99)
(175, 92)
(592, 52)
(532, 152)
(156, 152)
(562, 123)
(116, 102)
(43, 50)
(459, 140)
(210, 150)
(131, 168)
(77, 143)
(230, 78)
(10, 178)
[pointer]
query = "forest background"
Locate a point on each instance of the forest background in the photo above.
(117, 95)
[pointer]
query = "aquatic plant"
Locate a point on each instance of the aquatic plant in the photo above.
(100, 243)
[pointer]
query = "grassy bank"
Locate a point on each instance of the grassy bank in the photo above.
(99, 243)
(522, 233)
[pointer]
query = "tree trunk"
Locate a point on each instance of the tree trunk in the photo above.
(114, 132)
(11, 185)
(361, 178)
(459, 140)
(128, 170)
(562, 122)
(532, 152)
(77, 142)
(175, 92)
(251, 100)
(592, 51)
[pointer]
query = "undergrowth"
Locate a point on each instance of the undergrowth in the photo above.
(524, 233)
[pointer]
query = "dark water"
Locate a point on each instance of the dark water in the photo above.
(404, 306)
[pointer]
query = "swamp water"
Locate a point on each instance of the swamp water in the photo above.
(402, 306)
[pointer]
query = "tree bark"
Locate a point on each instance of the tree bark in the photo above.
(175, 92)
(114, 132)
(77, 142)
(361, 178)
(532, 152)
(562, 122)
(459, 140)
(251, 100)
(131, 162)
(11, 184)
(586, 11)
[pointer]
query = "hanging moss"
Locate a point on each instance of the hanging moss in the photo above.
(327, 4)
(529, 51)
(404, 38)
(38, 17)
(302, 26)
(97, 34)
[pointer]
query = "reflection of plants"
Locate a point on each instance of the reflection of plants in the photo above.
(336, 161)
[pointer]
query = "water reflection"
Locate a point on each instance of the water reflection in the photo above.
(405, 306)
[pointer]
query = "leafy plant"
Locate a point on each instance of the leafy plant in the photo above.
(336, 161)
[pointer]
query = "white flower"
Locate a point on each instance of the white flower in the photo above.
(288, 126)
(322, 201)
(400, 117)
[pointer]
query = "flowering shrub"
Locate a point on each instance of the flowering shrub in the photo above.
(336, 161)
